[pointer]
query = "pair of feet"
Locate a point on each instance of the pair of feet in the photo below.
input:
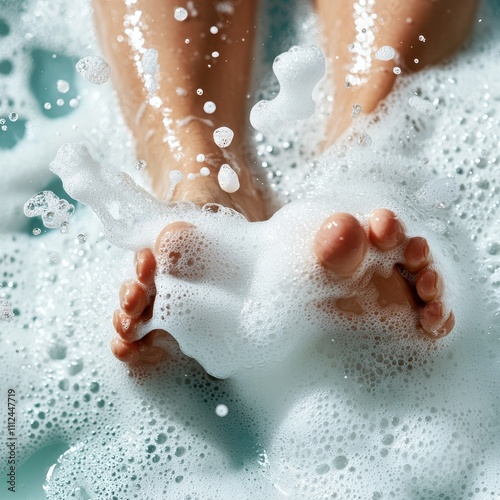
(340, 246)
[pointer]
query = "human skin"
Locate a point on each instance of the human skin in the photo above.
(167, 141)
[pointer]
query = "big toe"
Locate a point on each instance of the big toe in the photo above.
(341, 244)
(386, 230)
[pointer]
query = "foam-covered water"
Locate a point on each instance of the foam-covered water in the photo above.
(340, 414)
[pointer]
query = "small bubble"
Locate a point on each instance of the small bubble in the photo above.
(200, 158)
(205, 171)
(340, 462)
(209, 107)
(54, 257)
(356, 109)
(182, 92)
(180, 14)
(199, 91)
(221, 410)
(140, 164)
(364, 140)
(62, 86)
(416, 61)
(13, 117)
(2, 121)
(37, 231)
(64, 228)
(4, 128)
(47, 105)
(82, 238)
(73, 103)
(421, 38)
(60, 102)
(214, 30)
(396, 70)
(215, 54)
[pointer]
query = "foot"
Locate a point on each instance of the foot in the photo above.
(341, 246)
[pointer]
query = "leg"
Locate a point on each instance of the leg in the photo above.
(355, 30)
(170, 126)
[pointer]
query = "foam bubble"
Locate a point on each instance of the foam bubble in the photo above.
(209, 107)
(422, 105)
(228, 179)
(94, 69)
(53, 210)
(298, 71)
(223, 136)
(385, 53)
(180, 14)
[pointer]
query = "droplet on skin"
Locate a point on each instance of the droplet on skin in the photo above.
(228, 179)
(396, 70)
(200, 158)
(356, 110)
(385, 53)
(180, 14)
(215, 54)
(209, 107)
(205, 171)
(214, 30)
(199, 91)
(223, 136)
(421, 38)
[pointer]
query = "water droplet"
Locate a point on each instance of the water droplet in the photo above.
(421, 38)
(13, 117)
(199, 91)
(62, 86)
(396, 70)
(385, 53)
(356, 110)
(180, 14)
(221, 410)
(214, 30)
(82, 238)
(209, 107)
(37, 231)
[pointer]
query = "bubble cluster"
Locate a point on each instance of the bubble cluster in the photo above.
(54, 211)
(94, 69)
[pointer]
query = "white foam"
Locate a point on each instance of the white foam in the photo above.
(94, 69)
(228, 179)
(385, 53)
(298, 71)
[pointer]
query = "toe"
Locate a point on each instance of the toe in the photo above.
(434, 322)
(169, 232)
(145, 266)
(133, 298)
(341, 244)
(429, 285)
(417, 254)
(124, 325)
(124, 351)
(386, 230)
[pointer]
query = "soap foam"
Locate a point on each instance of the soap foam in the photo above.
(347, 413)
